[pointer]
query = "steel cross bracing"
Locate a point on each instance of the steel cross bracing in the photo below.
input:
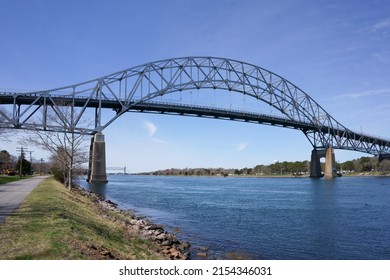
(148, 88)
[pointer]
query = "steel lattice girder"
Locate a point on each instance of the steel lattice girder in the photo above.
(138, 89)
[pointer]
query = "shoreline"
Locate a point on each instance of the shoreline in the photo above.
(170, 246)
(354, 174)
(145, 228)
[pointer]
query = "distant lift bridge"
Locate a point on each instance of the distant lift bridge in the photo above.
(207, 87)
(116, 168)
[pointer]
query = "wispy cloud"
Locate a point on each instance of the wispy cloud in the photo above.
(160, 141)
(150, 127)
(363, 93)
(381, 25)
(382, 57)
(242, 146)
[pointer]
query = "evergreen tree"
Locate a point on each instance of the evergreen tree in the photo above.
(23, 165)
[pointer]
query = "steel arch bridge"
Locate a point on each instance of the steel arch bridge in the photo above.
(167, 86)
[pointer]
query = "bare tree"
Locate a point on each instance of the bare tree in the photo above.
(66, 145)
(3, 131)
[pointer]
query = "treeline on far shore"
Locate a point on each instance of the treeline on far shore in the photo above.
(296, 168)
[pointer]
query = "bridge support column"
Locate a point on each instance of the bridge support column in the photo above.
(330, 164)
(97, 160)
(315, 164)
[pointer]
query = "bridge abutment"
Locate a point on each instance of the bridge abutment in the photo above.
(97, 160)
(330, 163)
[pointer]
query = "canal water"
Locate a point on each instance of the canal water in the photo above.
(264, 218)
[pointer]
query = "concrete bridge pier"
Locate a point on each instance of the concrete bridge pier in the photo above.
(330, 163)
(97, 160)
(315, 163)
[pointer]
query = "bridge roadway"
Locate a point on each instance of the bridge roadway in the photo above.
(206, 112)
(158, 107)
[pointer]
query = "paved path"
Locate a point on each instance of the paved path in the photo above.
(12, 194)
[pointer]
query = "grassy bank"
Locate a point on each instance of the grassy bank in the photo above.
(7, 179)
(54, 223)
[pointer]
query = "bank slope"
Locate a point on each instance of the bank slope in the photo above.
(55, 223)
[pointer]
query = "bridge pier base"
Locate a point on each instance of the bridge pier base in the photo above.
(315, 163)
(97, 160)
(330, 163)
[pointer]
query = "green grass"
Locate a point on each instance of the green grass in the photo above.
(7, 179)
(55, 223)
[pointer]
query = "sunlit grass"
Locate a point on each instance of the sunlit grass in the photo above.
(54, 223)
(6, 179)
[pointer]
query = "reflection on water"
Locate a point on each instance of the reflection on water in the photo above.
(99, 188)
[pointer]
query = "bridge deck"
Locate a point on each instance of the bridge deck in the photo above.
(159, 107)
(38, 99)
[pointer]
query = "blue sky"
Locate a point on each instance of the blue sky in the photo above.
(336, 51)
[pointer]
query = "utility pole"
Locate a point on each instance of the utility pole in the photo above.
(22, 150)
(31, 163)
(41, 165)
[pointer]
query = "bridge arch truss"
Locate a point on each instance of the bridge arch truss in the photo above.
(150, 87)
